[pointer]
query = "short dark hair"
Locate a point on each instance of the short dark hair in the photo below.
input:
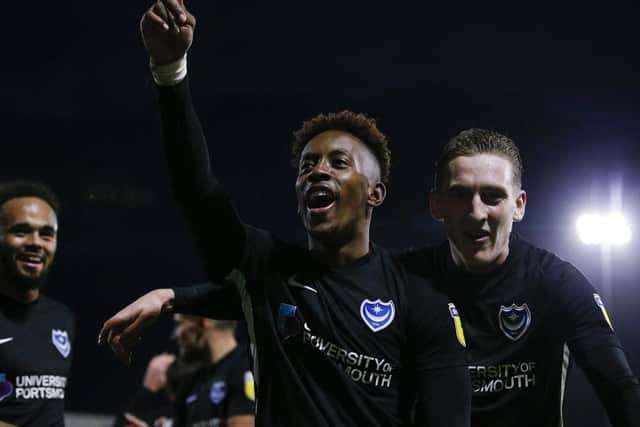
(478, 141)
(359, 125)
(24, 188)
(225, 325)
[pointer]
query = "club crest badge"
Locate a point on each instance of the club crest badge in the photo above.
(6, 388)
(514, 320)
(218, 392)
(61, 341)
(377, 314)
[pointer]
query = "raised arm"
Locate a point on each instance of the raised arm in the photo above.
(167, 30)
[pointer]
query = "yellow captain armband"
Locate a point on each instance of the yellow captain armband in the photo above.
(453, 311)
(249, 387)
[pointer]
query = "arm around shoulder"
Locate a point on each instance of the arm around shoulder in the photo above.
(438, 345)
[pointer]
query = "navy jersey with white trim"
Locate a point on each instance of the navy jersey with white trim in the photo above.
(35, 358)
(341, 346)
(522, 323)
(217, 392)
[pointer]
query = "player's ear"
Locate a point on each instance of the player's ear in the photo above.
(377, 194)
(521, 203)
(435, 204)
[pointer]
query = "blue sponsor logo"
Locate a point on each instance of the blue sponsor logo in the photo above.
(377, 314)
(598, 300)
(218, 391)
(514, 320)
(453, 310)
(288, 325)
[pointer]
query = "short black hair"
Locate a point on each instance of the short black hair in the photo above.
(357, 124)
(23, 188)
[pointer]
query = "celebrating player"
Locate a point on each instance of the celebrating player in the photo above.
(344, 335)
(526, 312)
(36, 332)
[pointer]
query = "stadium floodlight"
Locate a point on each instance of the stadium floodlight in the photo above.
(596, 229)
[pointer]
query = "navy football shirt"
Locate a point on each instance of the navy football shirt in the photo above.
(335, 346)
(35, 358)
(523, 323)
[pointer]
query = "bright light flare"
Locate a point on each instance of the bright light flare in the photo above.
(596, 229)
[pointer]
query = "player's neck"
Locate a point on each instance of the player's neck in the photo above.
(16, 293)
(220, 345)
(477, 268)
(341, 252)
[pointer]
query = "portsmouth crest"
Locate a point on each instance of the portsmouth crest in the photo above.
(6, 388)
(218, 391)
(377, 314)
(514, 320)
(60, 339)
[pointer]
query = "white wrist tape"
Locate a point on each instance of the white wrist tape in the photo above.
(169, 74)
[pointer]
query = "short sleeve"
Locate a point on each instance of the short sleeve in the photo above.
(241, 399)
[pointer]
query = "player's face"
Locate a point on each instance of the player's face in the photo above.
(338, 183)
(478, 201)
(28, 239)
(189, 334)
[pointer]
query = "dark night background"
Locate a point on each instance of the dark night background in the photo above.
(79, 112)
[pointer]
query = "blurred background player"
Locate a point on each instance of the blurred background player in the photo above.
(153, 399)
(210, 382)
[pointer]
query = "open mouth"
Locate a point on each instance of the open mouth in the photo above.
(31, 261)
(320, 199)
(477, 235)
